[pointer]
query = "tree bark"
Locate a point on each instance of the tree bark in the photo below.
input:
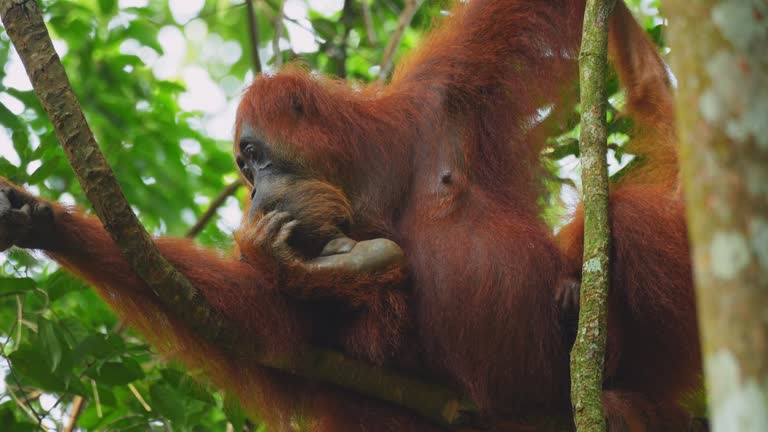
(720, 59)
(588, 354)
(253, 34)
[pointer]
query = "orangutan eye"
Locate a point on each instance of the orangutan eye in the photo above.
(250, 151)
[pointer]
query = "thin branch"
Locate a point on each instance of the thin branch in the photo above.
(139, 398)
(278, 25)
(24, 405)
(20, 320)
(253, 32)
(25, 408)
(370, 30)
(96, 398)
(406, 16)
(347, 17)
(297, 22)
(77, 408)
(588, 354)
(211, 211)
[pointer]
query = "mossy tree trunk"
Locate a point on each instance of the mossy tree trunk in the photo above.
(720, 60)
(588, 355)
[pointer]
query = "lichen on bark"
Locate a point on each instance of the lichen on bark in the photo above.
(587, 357)
(721, 64)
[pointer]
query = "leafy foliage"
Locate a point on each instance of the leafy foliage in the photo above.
(59, 342)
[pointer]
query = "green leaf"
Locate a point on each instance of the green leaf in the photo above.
(567, 148)
(50, 341)
(95, 345)
(61, 283)
(32, 363)
(12, 422)
(657, 35)
(107, 7)
(187, 385)
(9, 119)
(11, 285)
(20, 140)
(168, 403)
(118, 372)
(620, 124)
(145, 33)
(7, 169)
(325, 28)
(44, 170)
(27, 97)
(234, 412)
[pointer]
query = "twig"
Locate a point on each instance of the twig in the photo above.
(370, 30)
(27, 409)
(341, 50)
(96, 398)
(138, 397)
(20, 320)
(77, 408)
(278, 34)
(253, 32)
(25, 405)
(211, 211)
(588, 354)
(406, 16)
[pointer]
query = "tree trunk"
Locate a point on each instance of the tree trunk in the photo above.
(720, 59)
(588, 354)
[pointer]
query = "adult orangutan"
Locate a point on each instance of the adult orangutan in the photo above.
(400, 225)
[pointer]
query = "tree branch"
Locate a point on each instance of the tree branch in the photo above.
(406, 16)
(77, 408)
(253, 32)
(211, 211)
(347, 17)
(370, 30)
(278, 25)
(588, 355)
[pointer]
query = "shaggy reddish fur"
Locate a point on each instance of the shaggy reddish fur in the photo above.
(444, 161)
